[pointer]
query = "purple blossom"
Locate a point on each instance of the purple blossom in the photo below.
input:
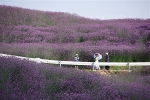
(59, 36)
(22, 79)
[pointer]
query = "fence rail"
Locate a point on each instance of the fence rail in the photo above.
(60, 63)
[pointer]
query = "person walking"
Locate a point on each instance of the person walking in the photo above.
(107, 60)
(96, 62)
(97, 57)
(76, 58)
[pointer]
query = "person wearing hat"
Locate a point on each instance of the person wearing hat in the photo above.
(76, 58)
(107, 60)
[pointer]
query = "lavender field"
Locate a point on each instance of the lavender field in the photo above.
(58, 35)
(24, 80)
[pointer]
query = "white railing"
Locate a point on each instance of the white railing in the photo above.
(60, 63)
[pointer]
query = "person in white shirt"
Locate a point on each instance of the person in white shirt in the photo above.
(96, 62)
(76, 58)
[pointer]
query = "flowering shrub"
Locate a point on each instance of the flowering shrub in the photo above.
(57, 51)
(22, 79)
(124, 39)
(60, 36)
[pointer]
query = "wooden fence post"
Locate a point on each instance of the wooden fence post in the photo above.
(93, 66)
(129, 66)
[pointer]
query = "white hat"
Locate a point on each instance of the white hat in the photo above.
(106, 53)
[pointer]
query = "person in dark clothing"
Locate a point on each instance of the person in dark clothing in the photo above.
(107, 60)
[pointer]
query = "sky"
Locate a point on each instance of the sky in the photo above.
(94, 9)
